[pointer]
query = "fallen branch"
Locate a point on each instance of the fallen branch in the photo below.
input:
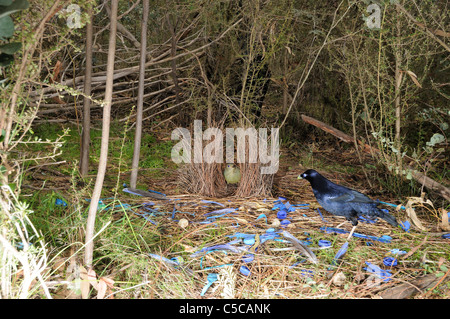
(418, 176)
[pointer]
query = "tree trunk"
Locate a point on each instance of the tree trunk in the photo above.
(89, 249)
(140, 100)
(86, 137)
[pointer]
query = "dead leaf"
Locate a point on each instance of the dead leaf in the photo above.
(84, 285)
(101, 291)
(412, 213)
(414, 78)
(444, 224)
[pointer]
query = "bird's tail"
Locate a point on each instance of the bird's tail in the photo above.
(389, 218)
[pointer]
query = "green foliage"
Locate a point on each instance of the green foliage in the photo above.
(8, 7)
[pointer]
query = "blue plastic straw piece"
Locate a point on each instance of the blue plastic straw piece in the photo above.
(321, 215)
(383, 239)
(212, 202)
(392, 205)
(210, 280)
(341, 252)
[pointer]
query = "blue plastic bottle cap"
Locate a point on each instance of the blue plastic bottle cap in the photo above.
(244, 270)
(324, 243)
(390, 261)
(282, 214)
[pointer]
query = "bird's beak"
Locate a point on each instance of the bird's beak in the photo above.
(299, 177)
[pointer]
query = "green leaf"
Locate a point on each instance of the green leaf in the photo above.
(13, 7)
(5, 59)
(6, 27)
(10, 48)
(5, 2)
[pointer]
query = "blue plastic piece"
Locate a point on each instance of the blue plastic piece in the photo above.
(321, 216)
(284, 223)
(210, 280)
(324, 243)
(390, 261)
(341, 252)
(405, 226)
(446, 236)
(383, 239)
(248, 258)
(397, 251)
(380, 273)
(282, 214)
(60, 202)
(244, 270)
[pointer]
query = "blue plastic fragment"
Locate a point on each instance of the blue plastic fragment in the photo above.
(383, 239)
(320, 213)
(212, 202)
(217, 247)
(390, 261)
(284, 223)
(164, 259)
(244, 270)
(248, 258)
(397, 251)
(282, 214)
(262, 216)
(341, 252)
(211, 278)
(220, 212)
(446, 236)
(152, 191)
(405, 225)
(380, 273)
(60, 202)
(249, 240)
(324, 243)
(392, 205)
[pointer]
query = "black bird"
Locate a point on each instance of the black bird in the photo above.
(342, 201)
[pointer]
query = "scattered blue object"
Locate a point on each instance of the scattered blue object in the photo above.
(284, 223)
(262, 216)
(211, 278)
(392, 205)
(341, 252)
(324, 243)
(397, 251)
(244, 270)
(60, 202)
(446, 236)
(248, 258)
(164, 259)
(405, 225)
(212, 202)
(229, 247)
(380, 273)
(390, 261)
(320, 213)
(383, 239)
(282, 214)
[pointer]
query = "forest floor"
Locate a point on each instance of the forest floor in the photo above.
(172, 248)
